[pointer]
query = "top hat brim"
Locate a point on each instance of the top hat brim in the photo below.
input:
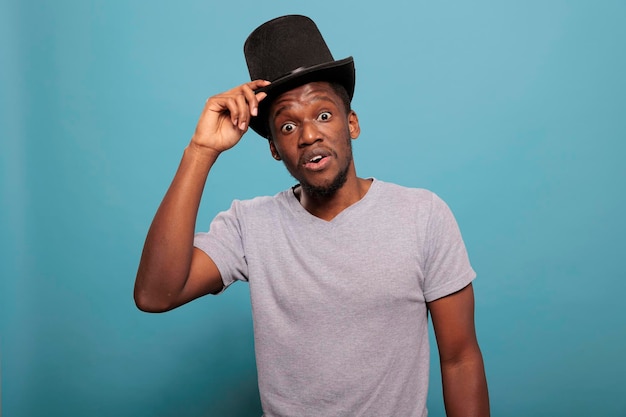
(341, 71)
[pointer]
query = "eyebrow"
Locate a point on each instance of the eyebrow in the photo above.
(313, 100)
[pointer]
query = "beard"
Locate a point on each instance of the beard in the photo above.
(329, 190)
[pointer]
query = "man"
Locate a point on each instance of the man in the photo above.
(342, 270)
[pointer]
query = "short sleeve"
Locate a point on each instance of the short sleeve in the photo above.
(223, 243)
(447, 266)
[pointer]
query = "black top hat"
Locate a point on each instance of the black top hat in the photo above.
(289, 51)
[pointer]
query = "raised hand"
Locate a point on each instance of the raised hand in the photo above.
(226, 117)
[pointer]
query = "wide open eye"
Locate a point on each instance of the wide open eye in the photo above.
(324, 116)
(287, 128)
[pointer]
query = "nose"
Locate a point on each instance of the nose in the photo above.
(309, 134)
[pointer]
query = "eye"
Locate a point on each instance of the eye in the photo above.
(323, 116)
(287, 128)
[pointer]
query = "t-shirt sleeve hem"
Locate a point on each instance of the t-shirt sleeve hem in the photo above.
(451, 287)
(201, 243)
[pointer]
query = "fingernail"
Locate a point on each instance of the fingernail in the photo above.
(254, 111)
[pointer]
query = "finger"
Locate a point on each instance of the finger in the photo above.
(229, 108)
(243, 110)
(251, 99)
(239, 103)
(256, 84)
(250, 90)
(254, 99)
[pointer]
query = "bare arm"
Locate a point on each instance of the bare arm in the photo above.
(462, 370)
(171, 271)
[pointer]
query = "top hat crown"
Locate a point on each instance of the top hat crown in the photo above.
(290, 51)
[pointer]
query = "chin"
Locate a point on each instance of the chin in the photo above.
(328, 189)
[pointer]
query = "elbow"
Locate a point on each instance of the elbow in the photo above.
(149, 294)
(150, 304)
(146, 306)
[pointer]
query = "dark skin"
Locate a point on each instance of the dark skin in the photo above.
(462, 370)
(311, 133)
(311, 122)
(171, 271)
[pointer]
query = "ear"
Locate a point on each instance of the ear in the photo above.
(273, 150)
(353, 125)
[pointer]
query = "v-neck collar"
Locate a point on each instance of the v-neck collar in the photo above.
(305, 215)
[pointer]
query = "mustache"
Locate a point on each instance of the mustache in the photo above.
(316, 152)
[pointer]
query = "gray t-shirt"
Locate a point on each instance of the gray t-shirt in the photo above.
(339, 307)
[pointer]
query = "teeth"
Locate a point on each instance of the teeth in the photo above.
(316, 158)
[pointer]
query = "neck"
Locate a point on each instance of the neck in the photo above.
(328, 207)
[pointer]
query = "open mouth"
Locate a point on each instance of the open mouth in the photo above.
(316, 160)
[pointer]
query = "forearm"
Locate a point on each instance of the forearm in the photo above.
(465, 387)
(168, 248)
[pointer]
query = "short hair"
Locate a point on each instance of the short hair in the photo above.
(341, 91)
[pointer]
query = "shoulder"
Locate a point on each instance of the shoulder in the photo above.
(422, 204)
(261, 205)
(399, 193)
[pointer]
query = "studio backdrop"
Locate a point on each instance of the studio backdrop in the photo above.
(512, 112)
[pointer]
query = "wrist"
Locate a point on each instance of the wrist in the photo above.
(202, 154)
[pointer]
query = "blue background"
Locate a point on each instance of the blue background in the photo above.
(512, 111)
